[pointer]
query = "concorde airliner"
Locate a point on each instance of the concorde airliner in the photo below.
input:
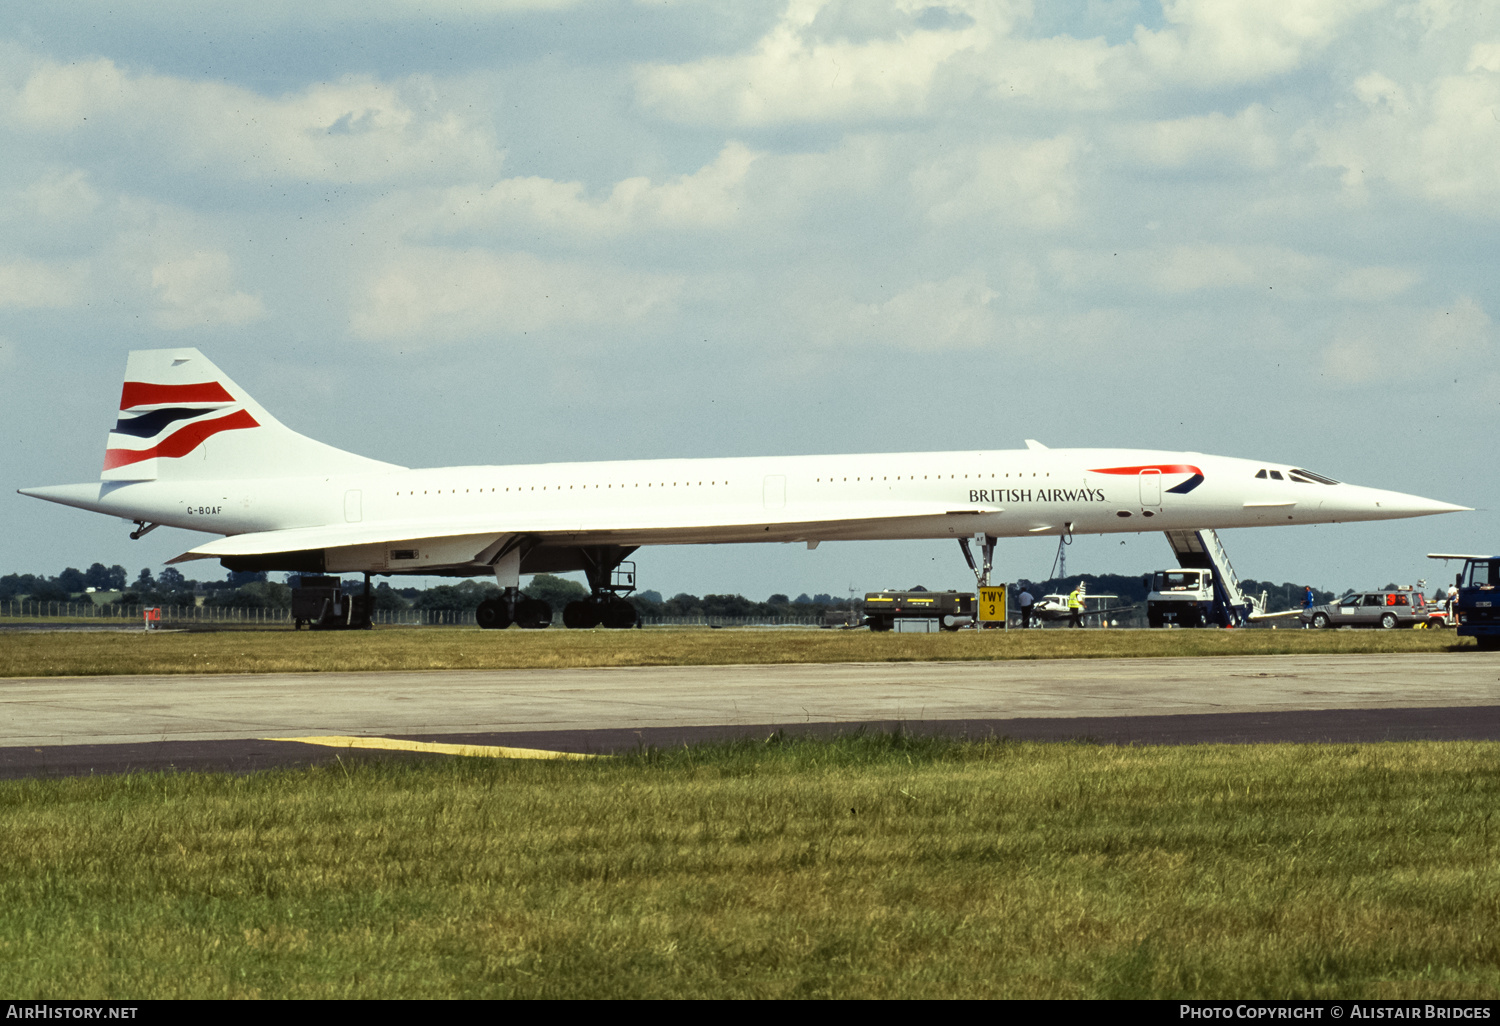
(192, 449)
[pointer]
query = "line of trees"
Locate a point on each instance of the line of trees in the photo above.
(65, 585)
(255, 590)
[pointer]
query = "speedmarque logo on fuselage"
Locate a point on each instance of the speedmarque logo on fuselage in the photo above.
(1164, 469)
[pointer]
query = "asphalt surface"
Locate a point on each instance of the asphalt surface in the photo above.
(83, 725)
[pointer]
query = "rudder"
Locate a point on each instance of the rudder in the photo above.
(181, 417)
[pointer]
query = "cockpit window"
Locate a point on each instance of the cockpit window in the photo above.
(1260, 475)
(1276, 475)
(1306, 476)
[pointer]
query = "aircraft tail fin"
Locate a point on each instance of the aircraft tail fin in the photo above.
(182, 418)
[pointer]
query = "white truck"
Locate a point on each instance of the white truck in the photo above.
(1204, 593)
(1180, 598)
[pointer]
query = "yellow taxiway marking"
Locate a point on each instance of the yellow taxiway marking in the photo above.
(395, 744)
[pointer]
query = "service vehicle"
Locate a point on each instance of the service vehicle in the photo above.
(952, 609)
(1477, 609)
(1387, 608)
(1180, 598)
(1204, 592)
(321, 603)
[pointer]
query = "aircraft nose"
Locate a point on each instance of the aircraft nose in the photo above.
(1399, 504)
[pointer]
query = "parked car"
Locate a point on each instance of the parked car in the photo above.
(1387, 608)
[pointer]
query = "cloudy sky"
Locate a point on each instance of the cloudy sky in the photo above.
(480, 231)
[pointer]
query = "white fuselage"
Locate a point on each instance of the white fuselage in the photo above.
(192, 449)
(1005, 493)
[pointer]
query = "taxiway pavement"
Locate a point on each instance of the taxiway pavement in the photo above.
(72, 711)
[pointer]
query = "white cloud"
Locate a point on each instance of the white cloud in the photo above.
(1185, 269)
(1223, 42)
(61, 196)
(356, 129)
(1439, 140)
(1400, 342)
(929, 316)
(33, 284)
(429, 295)
(1375, 284)
(1245, 140)
(275, 13)
(195, 291)
(1033, 183)
(792, 75)
(1060, 72)
(1484, 57)
(803, 70)
(709, 198)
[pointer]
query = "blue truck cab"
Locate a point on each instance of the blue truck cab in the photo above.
(1478, 606)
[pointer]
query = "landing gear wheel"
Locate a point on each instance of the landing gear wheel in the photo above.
(1320, 620)
(491, 615)
(533, 614)
(1387, 621)
(618, 614)
(581, 615)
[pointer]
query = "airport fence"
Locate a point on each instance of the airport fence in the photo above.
(29, 609)
(731, 621)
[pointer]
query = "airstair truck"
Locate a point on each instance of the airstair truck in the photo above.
(1477, 608)
(1205, 592)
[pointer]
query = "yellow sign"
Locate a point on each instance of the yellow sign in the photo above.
(991, 605)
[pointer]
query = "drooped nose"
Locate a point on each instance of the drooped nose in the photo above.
(1378, 504)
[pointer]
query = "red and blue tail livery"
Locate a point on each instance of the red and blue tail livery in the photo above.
(170, 421)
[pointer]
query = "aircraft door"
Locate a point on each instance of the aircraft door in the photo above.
(1150, 488)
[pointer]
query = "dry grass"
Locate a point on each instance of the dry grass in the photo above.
(241, 651)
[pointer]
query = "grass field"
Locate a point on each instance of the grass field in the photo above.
(873, 866)
(240, 651)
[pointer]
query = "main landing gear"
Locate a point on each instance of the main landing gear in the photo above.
(527, 613)
(511, 607)
(611, 578)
